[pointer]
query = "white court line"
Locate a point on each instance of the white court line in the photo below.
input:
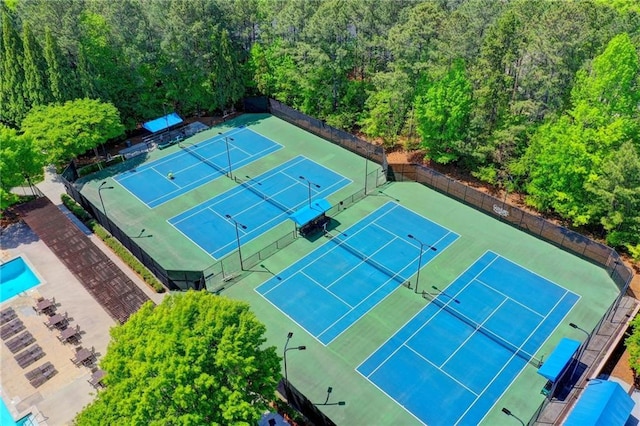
(324, 288)
(513, 300)
(475, 328)
(413, 317)
(363, 261)
(541, 345)
(439, 369)
(512, 357)
(288, 316)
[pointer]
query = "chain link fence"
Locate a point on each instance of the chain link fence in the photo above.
(558, 235)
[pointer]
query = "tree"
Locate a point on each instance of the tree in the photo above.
(35, 89)
(443, 108)
(65, 131)
(195, 359)
(633, 346)
(616, 196)
(19, 162)
(225, 81)
(54, 72)
(387, 106)
(11, 74)
(566, 154)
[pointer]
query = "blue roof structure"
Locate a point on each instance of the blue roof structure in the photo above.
(307, 213)
(602, 403)
(559, 359)
(162, 123)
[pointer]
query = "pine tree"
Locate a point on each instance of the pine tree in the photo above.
(35, 90)
(54, 68)
(11, 88)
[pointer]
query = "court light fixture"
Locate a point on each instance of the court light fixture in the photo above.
(582, 346)
(510, 414)
(104, 211)
(226, 144)
(238, 225)
(326, 401)
(284, 356)
(310, 184)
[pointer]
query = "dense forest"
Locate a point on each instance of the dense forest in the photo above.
(538, 96)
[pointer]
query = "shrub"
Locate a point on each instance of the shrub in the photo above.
(120, 250)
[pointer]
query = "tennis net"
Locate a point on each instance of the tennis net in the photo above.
(203, 159)
(264, 196)
(488, 333)
(367, 259)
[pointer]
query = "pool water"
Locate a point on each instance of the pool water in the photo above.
(7, 420)
(16, 277)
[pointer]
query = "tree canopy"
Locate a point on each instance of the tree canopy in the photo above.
(65, 131)
(19, 162)
(194, 359)
(543, 91)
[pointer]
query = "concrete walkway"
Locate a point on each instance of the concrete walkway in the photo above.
(58, 400)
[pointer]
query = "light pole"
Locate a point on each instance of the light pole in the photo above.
(367, 151)
(422, 245)
(237, 224)
(104, 211)
(510, 414)
(284, 356)
(326, 401)
(582, 347)
(226, 144)
(310, 183)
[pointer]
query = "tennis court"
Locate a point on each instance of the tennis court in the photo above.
(257, 205)
(335, 285)
(470, 343)
(195, 165)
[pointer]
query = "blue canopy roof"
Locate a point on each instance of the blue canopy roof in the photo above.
(307, 213)
(602, 403)
(162, 123)
(558, 360)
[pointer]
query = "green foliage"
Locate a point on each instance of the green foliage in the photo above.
(615, 196)
(113, 244)
(19, 162)
(566, 67)
(65, 131)
(12, 96)
(633, 346)
(443, 108)
(194, 359)
(565, 156)
(387, 106)
(76, 209)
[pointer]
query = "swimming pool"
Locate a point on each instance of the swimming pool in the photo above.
(15, 277)
(7, 420)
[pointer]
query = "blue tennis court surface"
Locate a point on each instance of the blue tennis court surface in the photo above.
(335, 285)
(470, 343)
(259, 204)
(150, 182)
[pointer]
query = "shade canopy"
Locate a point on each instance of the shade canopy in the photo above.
(602, 403)
(308, 213)
(162, 123)
(559, 359)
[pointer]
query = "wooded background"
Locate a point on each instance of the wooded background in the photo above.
(536, 96)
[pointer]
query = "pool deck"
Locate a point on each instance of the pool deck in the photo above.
(59, 399)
